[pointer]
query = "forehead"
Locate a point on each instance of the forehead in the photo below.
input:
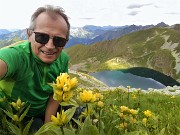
(51, 22)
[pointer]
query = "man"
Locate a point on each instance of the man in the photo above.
(27, 68)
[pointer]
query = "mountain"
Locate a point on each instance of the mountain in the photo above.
(156, 48)
(86, 35)
(12, 37)
(4, 31)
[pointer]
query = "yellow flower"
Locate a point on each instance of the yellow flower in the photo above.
(67, 95)
(123, 125)
(148, 113)
(73, 82)
(123, 108)
(172, 97)
(63, 82)
(144, 120)
(15, 118)
(133, 112)
(58, 95)
(60, 120)
(18, 105)
(98, 96)
(134, 96)
(121, 115)
(100, 104)
(2, 99)
(133, 120)
(87, 112)
(87, 96)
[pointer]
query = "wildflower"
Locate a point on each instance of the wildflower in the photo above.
(133, 112)
(123, 108)
(2, 99)
(148, 113)
(87, 112)
(87, 96)
(73, 82)
(134, 96)
(60, 120)
(58, 95)
(67, 95)
(63, 87)
(121, 115)
(99, 96)
(133, 120)
(144, 120)
(18, 105)
(172, 97)
(64, 83)
(100, 104)
(15, 118)
(123, 125)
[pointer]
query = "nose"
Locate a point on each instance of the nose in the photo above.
(50, 44)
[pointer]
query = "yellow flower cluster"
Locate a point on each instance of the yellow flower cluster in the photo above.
(149, 118)
(63, 87)
(148, 113)
(87, 96)
(18, 105)
(60, 120)
(127, 115)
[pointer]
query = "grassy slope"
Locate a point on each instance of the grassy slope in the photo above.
(138, 49)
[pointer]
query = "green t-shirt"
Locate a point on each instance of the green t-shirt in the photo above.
(27, 77)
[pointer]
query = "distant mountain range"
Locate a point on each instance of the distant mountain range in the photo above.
(86, 35)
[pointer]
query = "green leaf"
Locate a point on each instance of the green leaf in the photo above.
(88, 128)
(9, 114)
(70, 112)
(27, 127)
(69, 103)
(162, 132)
(77, 122)
(68, 132)
(24, 113)
(178, 129)
(49, 129)
(14, 129)
(140, 132)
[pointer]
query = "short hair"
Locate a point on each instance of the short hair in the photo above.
(50, 9)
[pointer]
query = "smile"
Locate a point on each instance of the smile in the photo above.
(48, 53)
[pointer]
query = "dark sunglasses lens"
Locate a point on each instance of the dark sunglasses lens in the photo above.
(59, 41)
(41, 38)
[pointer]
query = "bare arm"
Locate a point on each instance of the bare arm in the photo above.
(51, 108)
(3, 69)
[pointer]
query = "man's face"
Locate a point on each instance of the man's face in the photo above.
(52, 26)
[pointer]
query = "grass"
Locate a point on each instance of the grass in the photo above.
(165, 110)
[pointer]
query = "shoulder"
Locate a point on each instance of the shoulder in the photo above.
(19, 47)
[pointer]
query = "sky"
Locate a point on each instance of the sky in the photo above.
(16, 14)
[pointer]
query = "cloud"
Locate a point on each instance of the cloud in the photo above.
(86, 18)
(173, 13)
(133, 13)
(132, 6)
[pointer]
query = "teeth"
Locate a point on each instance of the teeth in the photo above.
(48, 53)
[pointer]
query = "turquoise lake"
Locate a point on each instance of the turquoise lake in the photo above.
(118, 78)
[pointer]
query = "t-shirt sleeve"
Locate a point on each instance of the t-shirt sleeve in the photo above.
(12, 58)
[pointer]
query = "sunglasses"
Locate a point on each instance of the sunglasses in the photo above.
(43, 38)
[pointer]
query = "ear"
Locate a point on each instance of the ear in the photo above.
(29, 33)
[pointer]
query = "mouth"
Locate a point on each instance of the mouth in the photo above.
(48, 53)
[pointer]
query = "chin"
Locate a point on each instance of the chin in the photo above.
(48, 61)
